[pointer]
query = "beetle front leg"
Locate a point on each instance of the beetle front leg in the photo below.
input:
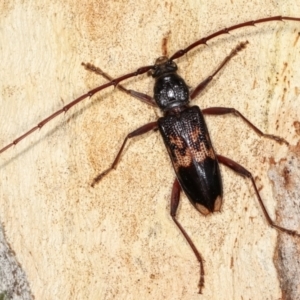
(202, 85)
(242, 171)
(174, 205)
(140, 96)
(230, 110)
(137, 132)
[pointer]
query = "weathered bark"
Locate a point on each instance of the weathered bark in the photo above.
(117, 240)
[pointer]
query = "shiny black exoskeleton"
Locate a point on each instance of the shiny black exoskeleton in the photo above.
(187, 139)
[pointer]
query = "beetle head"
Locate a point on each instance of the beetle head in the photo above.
(163, 65)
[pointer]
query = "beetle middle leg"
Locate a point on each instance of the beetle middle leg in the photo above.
(242, 171)
(141, 130)
(174, 205)
(229, 110)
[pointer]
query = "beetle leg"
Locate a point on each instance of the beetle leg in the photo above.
(140, 96)
(139, 131)
(242, 171)
(206, 81)
(230, 110)
(174, 205)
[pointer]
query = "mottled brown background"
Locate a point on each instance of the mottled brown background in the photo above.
(117, 241)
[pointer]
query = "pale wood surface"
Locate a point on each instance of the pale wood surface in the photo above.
(117, 241)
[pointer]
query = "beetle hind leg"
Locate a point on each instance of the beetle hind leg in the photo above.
(174, 205)
(242, 171)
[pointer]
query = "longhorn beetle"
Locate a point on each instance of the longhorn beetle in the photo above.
(184, 132)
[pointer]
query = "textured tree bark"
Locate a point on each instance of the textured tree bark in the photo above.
(117, 240)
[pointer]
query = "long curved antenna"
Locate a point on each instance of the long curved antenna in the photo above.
(181, 52)
(90, 93)
(143, 70)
